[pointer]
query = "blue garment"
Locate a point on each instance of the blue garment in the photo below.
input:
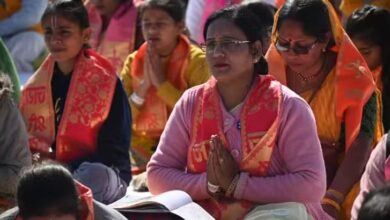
(29, 15)
(109, 187)
(24, 45)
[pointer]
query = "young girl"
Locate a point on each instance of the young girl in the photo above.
(75, 108)
(115, 33)
(156, 75)
(366, 27)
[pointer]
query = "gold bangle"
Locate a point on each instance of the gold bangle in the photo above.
(337, 194)
(331, 202)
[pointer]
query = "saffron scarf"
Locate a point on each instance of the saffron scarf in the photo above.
(87, 106)
(259, 125)
(153, 115)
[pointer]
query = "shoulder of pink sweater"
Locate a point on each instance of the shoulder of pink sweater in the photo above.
(293, 101)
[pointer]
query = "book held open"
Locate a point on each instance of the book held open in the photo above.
(176, 201)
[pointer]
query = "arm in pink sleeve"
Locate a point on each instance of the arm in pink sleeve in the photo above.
(301, 176)
(166, 169)
(374, 175)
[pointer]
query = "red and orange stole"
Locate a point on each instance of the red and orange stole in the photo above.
(87, 106)
(86, 196)
(259, 125)
(153, 115)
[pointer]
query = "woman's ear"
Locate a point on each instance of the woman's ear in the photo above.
(87, 34)
(257, 51)
(328, 37)
(181, 27)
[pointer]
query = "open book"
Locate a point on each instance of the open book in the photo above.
(175, 201)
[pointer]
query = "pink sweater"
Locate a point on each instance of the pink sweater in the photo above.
(373, 176)
(296, 173)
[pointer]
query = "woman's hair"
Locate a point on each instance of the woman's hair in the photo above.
(376, 205)
(174, 8)
(244, 19)
(264, 11)
(312, 14)
(72, 10)
(47, 189)
(371, 24)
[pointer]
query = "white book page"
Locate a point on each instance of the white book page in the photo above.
(129, 199)
(192, 211)
(172, 199)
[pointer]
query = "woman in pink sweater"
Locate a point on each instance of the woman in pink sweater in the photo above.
(242, 139)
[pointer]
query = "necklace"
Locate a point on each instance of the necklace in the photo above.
(306, 79)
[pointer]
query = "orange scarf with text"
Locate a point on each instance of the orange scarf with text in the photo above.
(259, 125)
(87, 106)
(153, 115)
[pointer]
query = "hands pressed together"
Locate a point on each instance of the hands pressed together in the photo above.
(154, 74)
(222, 170)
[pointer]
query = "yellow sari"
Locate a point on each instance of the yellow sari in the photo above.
(345, 91)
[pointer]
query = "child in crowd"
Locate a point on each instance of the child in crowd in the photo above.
(75, 108)
(48, 191)
(115, 29)
(157, 74)
(366, 27)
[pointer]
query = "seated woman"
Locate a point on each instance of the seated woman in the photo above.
(233, 143)
(115, 30)
(47, 191)
(157, 74)
(14, 152)
(366, 29)
(313, 56)
(75, 108)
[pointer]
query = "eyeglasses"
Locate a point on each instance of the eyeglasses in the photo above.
(297, 49)
(227, 46)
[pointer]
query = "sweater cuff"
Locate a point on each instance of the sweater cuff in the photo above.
(242, 182)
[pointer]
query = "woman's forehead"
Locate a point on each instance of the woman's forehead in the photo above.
(293, 30)
(56, 21)
(224, 28)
